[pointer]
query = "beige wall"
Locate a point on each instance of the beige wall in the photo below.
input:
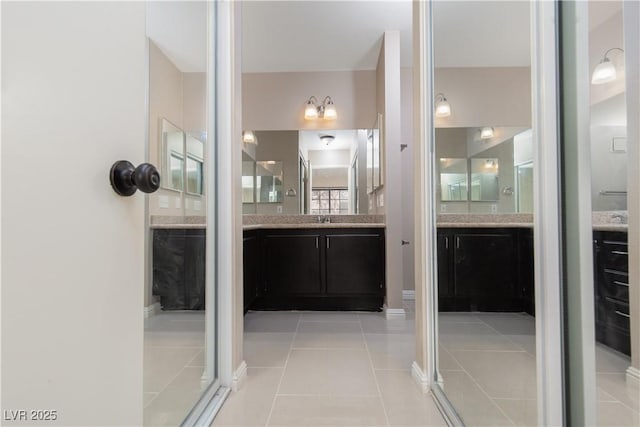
(485, 96)
(73, 250)
(275, 101)
(406, 137)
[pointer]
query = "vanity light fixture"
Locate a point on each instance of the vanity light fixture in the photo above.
(486, 132)
(248, 137)
(605, 71)
(443, 108)
(327, 139)
(326, 110)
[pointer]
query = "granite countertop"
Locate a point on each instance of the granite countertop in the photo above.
(484, 220)
(313, 225)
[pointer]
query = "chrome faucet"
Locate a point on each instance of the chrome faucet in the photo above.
(621, 218)
(324, 219)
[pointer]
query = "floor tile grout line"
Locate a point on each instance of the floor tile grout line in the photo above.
(482, 390)
(284, 369)
(375, 377)
(616, 399)
(509, 339)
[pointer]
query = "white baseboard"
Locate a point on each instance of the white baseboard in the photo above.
(408, 295)
(152, 310)
(239, 377)
(633, 376)
(420, 378)
(394, 313)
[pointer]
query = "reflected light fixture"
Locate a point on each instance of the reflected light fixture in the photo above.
(486, 132)
(443, 108)
(248, 137)
(326, 110)
(327, 139)
(605, 71)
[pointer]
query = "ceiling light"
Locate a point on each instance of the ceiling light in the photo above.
(326, 110)
(605, 71)
(327, 139)
(486, 132)
(248, 137)
(443, 108)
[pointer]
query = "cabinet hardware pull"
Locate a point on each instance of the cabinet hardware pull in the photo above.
(317, 245)
(457, 242)
(622, 314)
(328, 242)
(619, 252)
(446, 242)
(621, 283)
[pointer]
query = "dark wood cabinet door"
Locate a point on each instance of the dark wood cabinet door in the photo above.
(250, 268)
(444, 284)
(354, 264)
(484, 270)
(291, 264)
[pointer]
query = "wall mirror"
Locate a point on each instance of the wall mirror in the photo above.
(173, 156)
(453, 179)
(195, 165)
(318, 171)
(269, 181)
(484, 180)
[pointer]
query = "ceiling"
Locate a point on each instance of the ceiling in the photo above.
(282, 36)
(344, 139)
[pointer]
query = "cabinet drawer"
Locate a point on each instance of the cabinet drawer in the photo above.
(615, 284)
(614, 313)
(614, 255)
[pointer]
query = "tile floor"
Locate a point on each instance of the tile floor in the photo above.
(173, 366)
(487, 361)
(328, 369)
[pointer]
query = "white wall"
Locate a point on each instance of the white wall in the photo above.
(275, 101)
(73, 102)
(406, 137)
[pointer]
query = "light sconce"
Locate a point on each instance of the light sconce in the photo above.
(443, 108)
(486, 132)
(326, 110)
(248, 137)
(327, 139)
(605, 71)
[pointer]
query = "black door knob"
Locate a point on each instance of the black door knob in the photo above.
(126, 179)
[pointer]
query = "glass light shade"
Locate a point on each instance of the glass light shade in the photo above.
(248, 137)
(443, 108)
(310, 111)
(330, 112)
(605, 72)
(486, 133)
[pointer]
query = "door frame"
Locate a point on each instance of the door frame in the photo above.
(547, 246)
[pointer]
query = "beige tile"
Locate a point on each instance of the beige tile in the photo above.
(250, 406)
(329, 334)
(173, 404)
(376, 323)
(329, 372)
(148, 397)
(466, 328)
(617, 414)
(266, 349)
(174, 339)
(473, 406)
(329, 316)
(521, 412)
(198, 360)
(609, 360)
(525, 342)
(391, 351)
(446, 362)
(162, 364)
(456, 317)
(510, 323)
(616, 385)
(404, 403)
(271, 321)
(510, 375)
(299, 411)
(494, 342)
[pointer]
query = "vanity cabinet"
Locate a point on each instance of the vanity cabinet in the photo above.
(250, 270)
(480, 269)
(319, 269)
(179, 268)
(611, 283)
